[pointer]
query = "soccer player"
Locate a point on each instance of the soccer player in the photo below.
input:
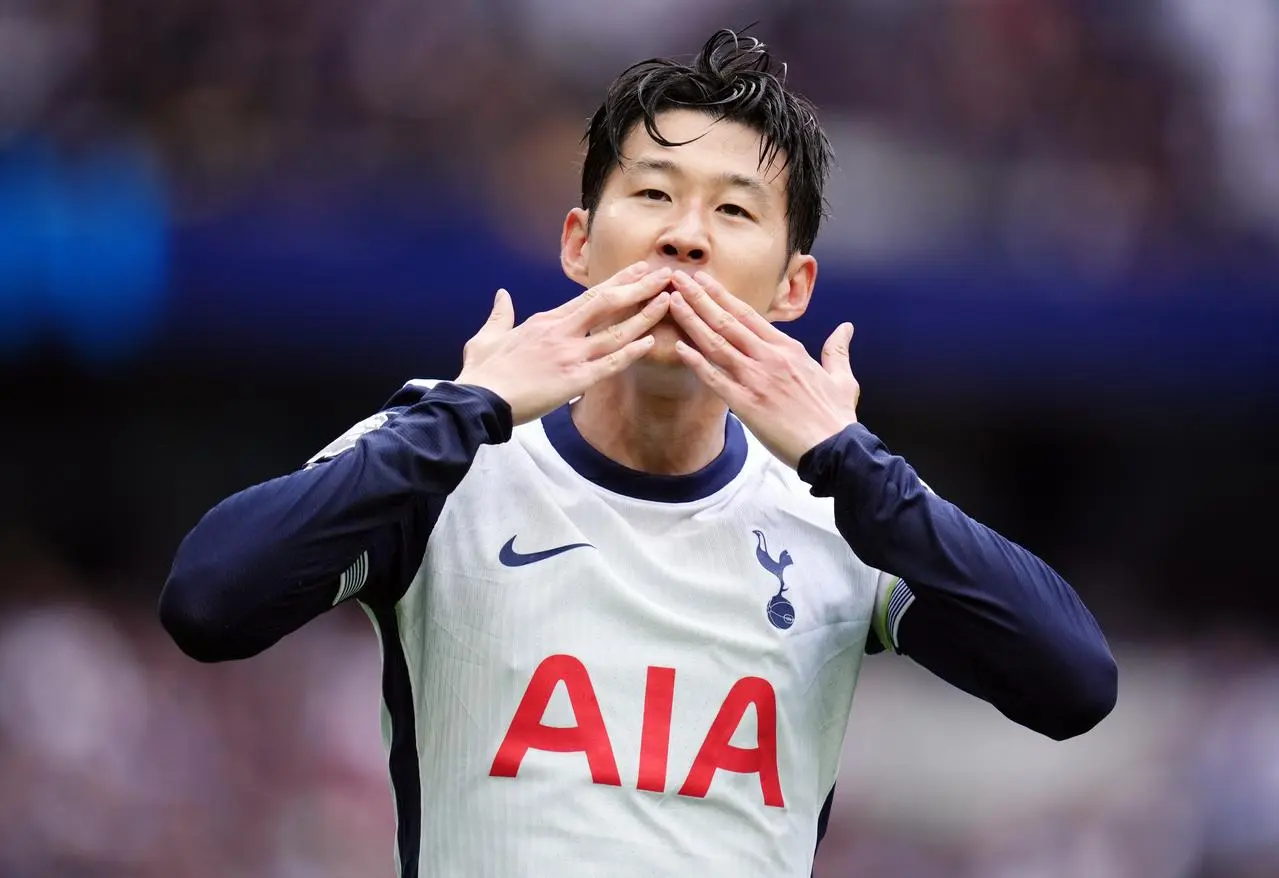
(624, 567)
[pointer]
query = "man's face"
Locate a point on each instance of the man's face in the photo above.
(705, 206)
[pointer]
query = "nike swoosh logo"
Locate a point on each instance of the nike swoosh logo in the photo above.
(511, 558)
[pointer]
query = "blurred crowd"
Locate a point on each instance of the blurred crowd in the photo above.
(1109, 138)
(120, 757)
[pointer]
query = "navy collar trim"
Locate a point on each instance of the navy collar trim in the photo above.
(593, 465)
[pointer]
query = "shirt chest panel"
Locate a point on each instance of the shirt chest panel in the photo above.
(708, 596)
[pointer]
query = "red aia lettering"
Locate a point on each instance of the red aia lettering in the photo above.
(718, 753)
(590, 736)
(655, 737)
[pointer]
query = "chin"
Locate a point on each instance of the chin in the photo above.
(663, 352)
(661, 372)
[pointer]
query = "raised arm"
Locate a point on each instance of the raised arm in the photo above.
(986, 614)
(355, 520)
(973, 607)
(267, 560)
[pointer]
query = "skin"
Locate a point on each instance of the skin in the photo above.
(657, 361)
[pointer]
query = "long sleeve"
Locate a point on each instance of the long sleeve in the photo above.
(984, 613)
(355, 520)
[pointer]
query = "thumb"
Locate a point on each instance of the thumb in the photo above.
(502, 316)
(835, 351)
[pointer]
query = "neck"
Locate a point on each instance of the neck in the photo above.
(675, 429)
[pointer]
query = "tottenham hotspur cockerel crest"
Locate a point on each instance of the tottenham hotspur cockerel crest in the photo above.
(780, 611)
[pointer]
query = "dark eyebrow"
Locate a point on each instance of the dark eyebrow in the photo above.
(752, 184)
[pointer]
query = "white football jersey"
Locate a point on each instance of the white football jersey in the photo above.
(622, 674)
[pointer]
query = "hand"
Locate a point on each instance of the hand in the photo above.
(767, 378)
(554, 356)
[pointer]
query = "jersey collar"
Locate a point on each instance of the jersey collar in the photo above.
(593, 465)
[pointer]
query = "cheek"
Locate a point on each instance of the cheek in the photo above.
(613, 228)
(753, 272)
(618, 237)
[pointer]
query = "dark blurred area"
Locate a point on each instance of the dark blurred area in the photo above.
(228, 231)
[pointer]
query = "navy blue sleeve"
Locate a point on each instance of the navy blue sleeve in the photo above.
(988, 616)
(268, 559)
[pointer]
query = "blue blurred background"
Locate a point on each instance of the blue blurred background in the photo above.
(230, 230)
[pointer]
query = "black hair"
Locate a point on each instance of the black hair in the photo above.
(733, 78)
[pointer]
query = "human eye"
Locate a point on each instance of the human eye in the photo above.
(736, 210)
(653, 195)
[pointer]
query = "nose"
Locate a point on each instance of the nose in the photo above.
(686, 240)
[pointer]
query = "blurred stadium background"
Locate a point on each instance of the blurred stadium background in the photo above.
(230, 230)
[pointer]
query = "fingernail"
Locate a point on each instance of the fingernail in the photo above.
(682, 276)
(663, 272)
(638, 269)
(702, 277)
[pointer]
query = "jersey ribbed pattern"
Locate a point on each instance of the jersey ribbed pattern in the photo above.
(608, 685)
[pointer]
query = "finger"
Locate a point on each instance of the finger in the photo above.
(705, 370)
(607, 302)
(835, 351)
(621, 334)
(617, 361)
(628, 274)
(716, 316)
(501, 316)
(710, 343)
(749, 317)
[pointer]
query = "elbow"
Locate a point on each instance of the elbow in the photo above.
(190, 615)
(1088, 696)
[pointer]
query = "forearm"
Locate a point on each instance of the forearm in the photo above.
(989, 616)
(268, 559)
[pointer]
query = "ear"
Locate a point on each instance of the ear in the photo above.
(794, 290)
(575, 249)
